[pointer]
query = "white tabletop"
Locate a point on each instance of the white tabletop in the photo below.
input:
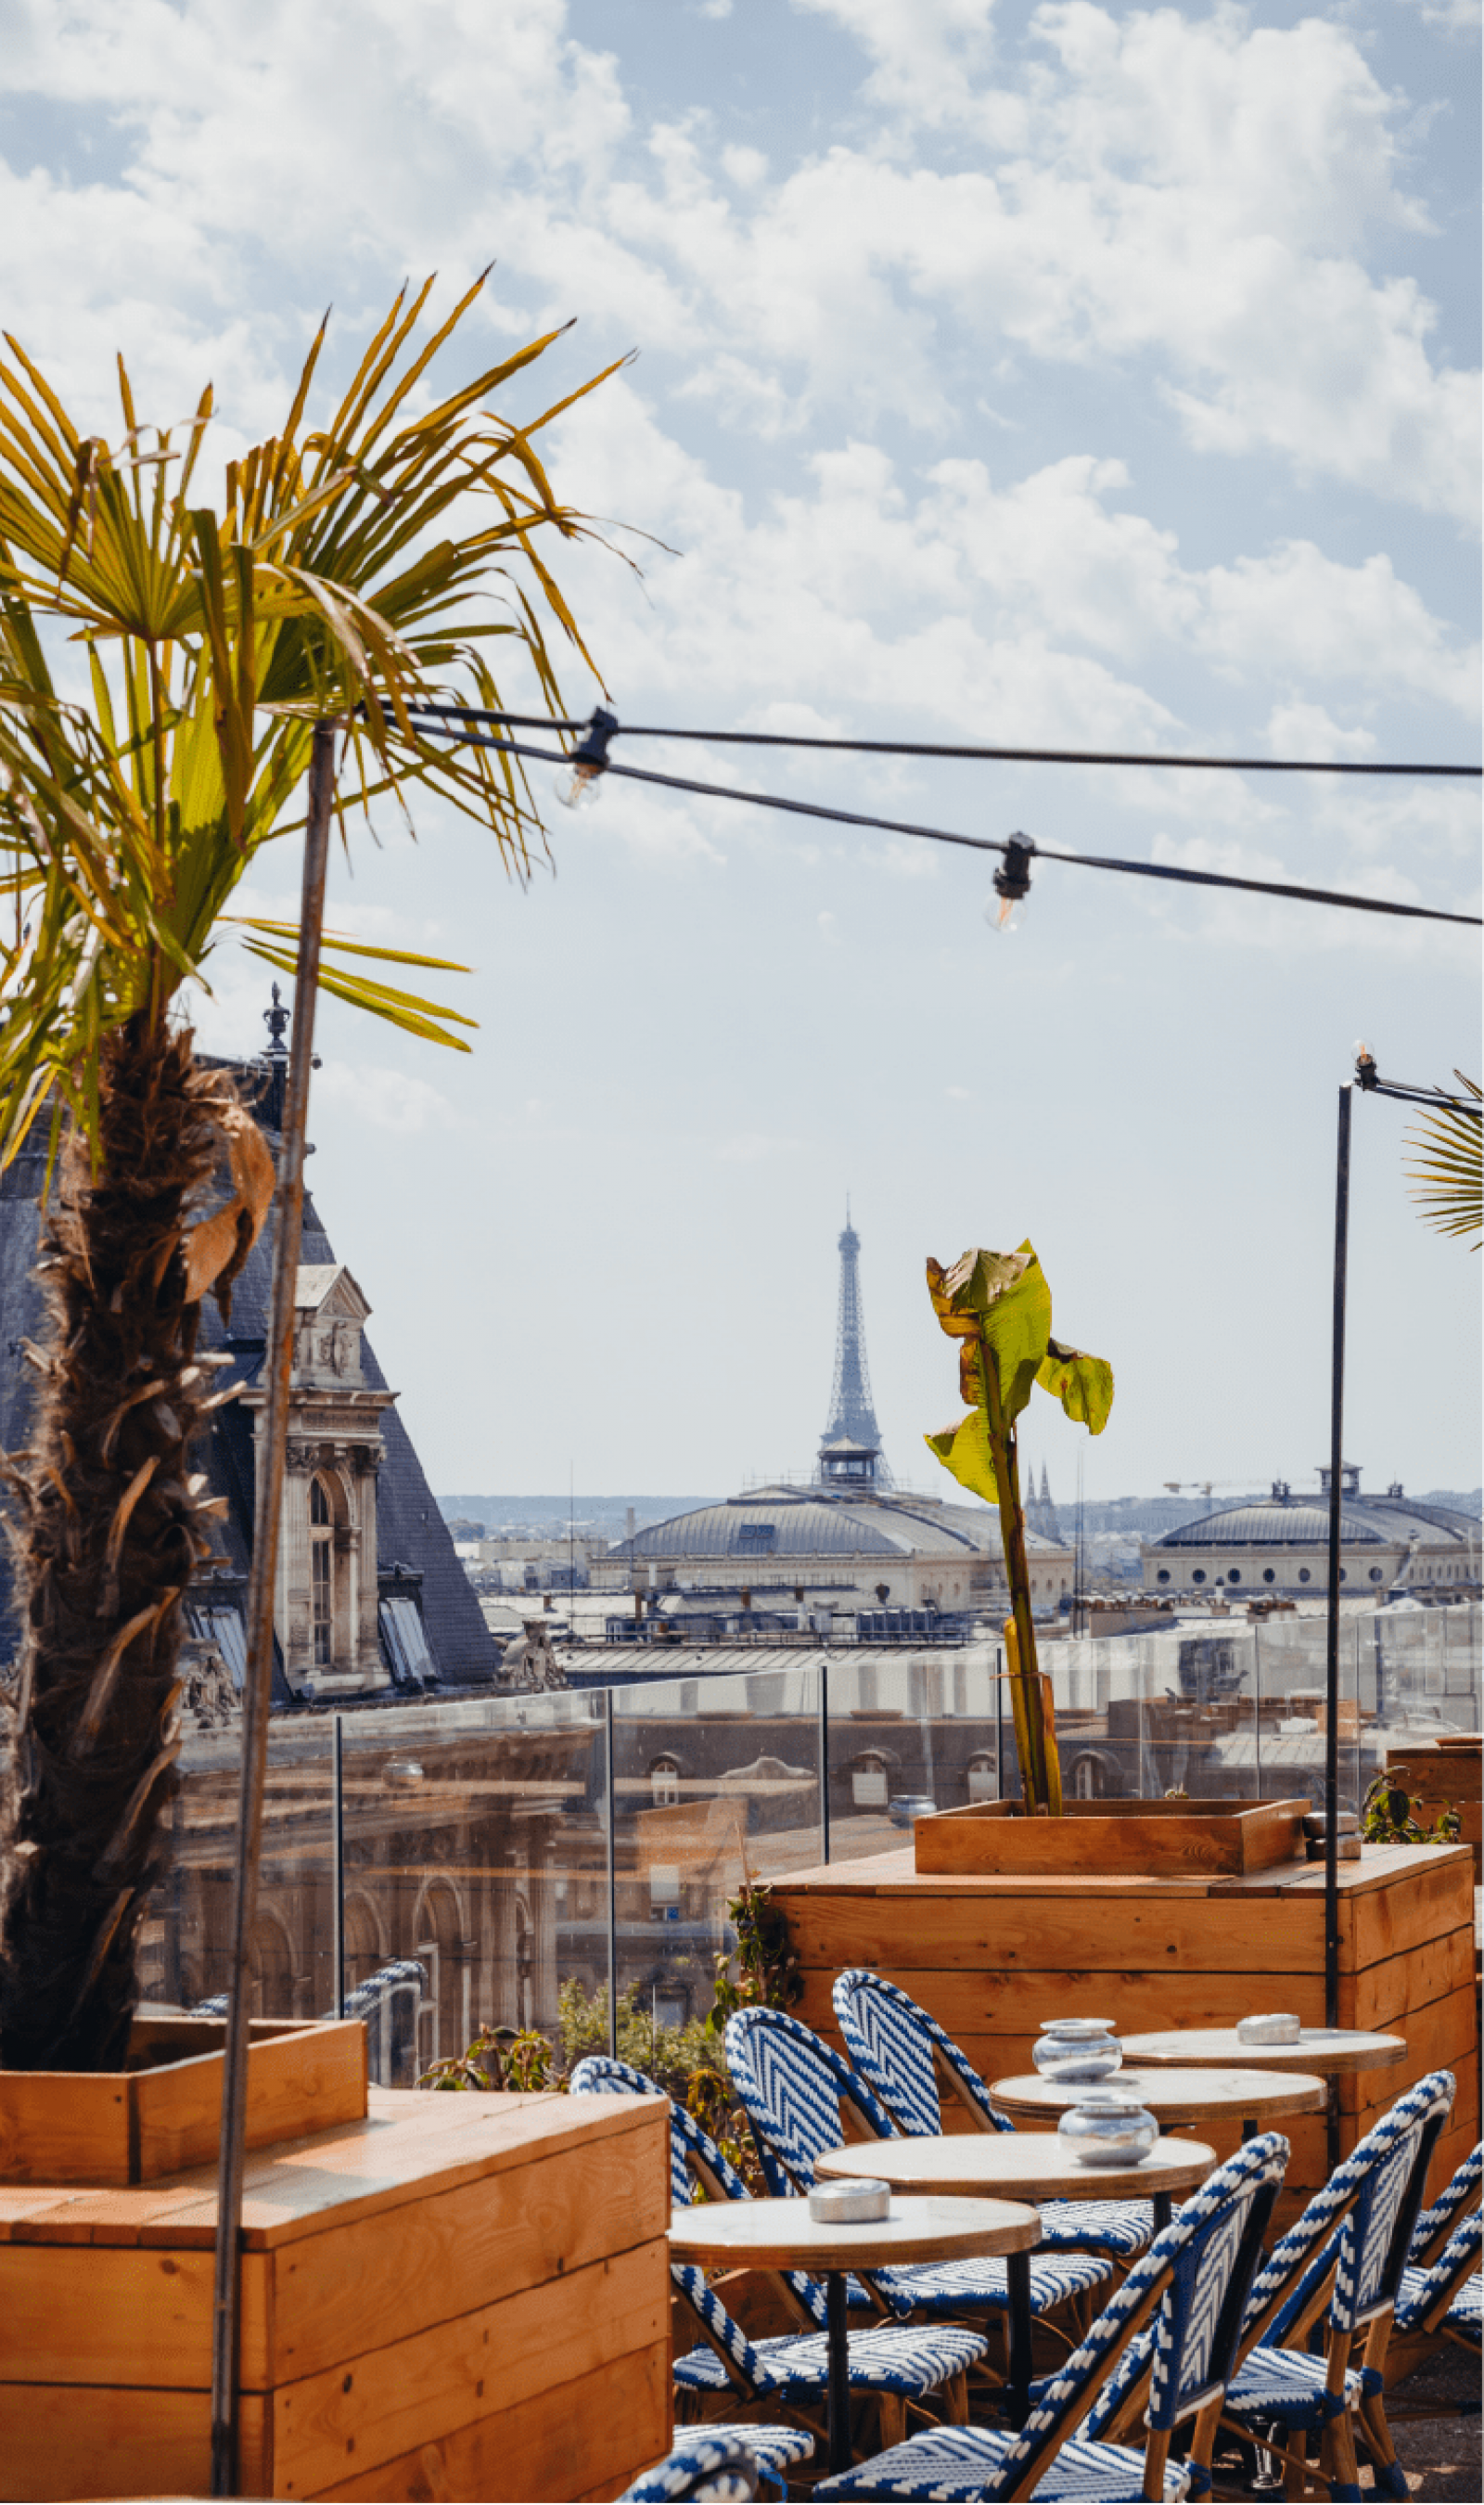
(780, 2235)
(1324, 2049)
(1019, 2164)
(1183, 2096)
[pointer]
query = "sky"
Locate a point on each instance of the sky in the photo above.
(1054, 374)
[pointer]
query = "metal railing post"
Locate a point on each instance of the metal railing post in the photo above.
(337, 1846)
(824, 1758)
(607, 1723)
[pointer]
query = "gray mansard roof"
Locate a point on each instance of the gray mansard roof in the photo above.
(809, 1522)
(411, 1531)
(1303, 1522)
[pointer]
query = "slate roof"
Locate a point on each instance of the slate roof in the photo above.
(1366, 1522)
(411, 1530)
(809, 1522)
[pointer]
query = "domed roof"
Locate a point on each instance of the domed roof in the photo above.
(1282, 1521)
(782, 1522)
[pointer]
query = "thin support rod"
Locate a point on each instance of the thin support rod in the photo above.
(1332, 1626)
(338, 1851)
(824, 1757)
(608, 1727)
(258, 1687)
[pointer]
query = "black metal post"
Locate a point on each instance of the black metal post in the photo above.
(824, 1758)
(1333, 1628)
(258, 1686)
(999, 1721)
(607, 1725)
(337, 1848)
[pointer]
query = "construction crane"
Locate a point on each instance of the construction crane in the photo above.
(1202, 1487)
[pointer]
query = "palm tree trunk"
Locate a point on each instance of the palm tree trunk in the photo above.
(107, 1528)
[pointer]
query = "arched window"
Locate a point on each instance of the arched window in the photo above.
(1087, 1779)
(981, 1779)
(322, 1573)
(869, 1780)
(665, 1782)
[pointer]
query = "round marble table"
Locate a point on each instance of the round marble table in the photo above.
(1177, 2098)
(1021, 2166)
(1327, 2050)
(780, 2235)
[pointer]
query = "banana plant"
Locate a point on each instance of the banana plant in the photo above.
(998, 1307)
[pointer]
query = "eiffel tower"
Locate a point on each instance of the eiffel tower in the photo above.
(851, 1447)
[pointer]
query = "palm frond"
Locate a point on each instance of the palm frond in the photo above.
(1448, 1184)
(337, 581)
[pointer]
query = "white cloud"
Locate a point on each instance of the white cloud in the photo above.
(389, 1100)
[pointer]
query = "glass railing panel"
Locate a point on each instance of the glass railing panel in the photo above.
(909, 1732)
(184, 1947)
(716, 1780)
(475, 1871)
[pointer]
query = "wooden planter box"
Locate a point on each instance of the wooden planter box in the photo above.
(453, 2296)
(163, 2110)
(994, 1956)
(1448, 1778)
(1156, 1838)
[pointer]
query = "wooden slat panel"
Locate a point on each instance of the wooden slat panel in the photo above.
(1019, 2004)
(58, 2126)
(417, 2390)
(1384, 1993)
(297, 2082)
(591, 2439)
(1435, 1896)
(60, 2441)
(357, 2288)
(74, 2315)
(904, 1933)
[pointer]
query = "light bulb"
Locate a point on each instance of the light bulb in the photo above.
(1006, 913)
(577, 785)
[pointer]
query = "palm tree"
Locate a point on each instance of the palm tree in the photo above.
(1449, 1182)
(354, 566)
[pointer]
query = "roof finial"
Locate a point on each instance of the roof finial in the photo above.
(276, 1020)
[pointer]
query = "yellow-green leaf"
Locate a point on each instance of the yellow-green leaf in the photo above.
(965, 1450)
(1082, 1384)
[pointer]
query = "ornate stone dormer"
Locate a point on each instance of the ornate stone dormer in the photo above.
(324, 1606)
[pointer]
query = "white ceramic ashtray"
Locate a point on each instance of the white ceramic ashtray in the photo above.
(1278, 2027)
(850, 2203)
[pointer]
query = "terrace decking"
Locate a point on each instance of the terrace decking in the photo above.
(992, 1957)
(459, 2296)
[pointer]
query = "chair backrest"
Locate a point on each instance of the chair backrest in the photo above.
(1186, 2295)
(1435, 2226)
(899, 2049)
(1427, 2294)
(1360, 2224)
(797, 2094)
(598, 2074)
(710, 2470)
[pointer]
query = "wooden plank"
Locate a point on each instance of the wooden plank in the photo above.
(1101, 1839)
(1019, 2004)
(63, 2125)
(62, 2441)
(354, 2288)
(405, 2150)
(309, 2079)
(1439, 2036)
(1422, 1903)
(73, 2315)
(589, 2439)
(905, 1933)
(1385, 1992)
(413, 2392)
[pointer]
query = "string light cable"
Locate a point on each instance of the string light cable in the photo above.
(583, 767)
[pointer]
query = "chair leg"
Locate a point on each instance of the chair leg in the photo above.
(1295, 2479)
(891, 2418)
(1202, 2442)
(1157, 2452)
(1343, 2467)
(955, 2400)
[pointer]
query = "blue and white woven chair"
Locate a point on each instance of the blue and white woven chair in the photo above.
(1458, 2195)
(797, 2091)
(1350, 2245)
(771, 2453)
(1439, 2303)
(908, 2060)
(1183, 2301)
(890, 2365)
(717, 2469)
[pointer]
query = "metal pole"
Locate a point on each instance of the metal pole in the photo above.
(824, 1758)
(1333, 1628)
(607, 1724)
(337, 1844)
(258, 1686)
(999, 1721)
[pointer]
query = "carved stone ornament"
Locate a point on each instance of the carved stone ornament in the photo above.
(300, 1457)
